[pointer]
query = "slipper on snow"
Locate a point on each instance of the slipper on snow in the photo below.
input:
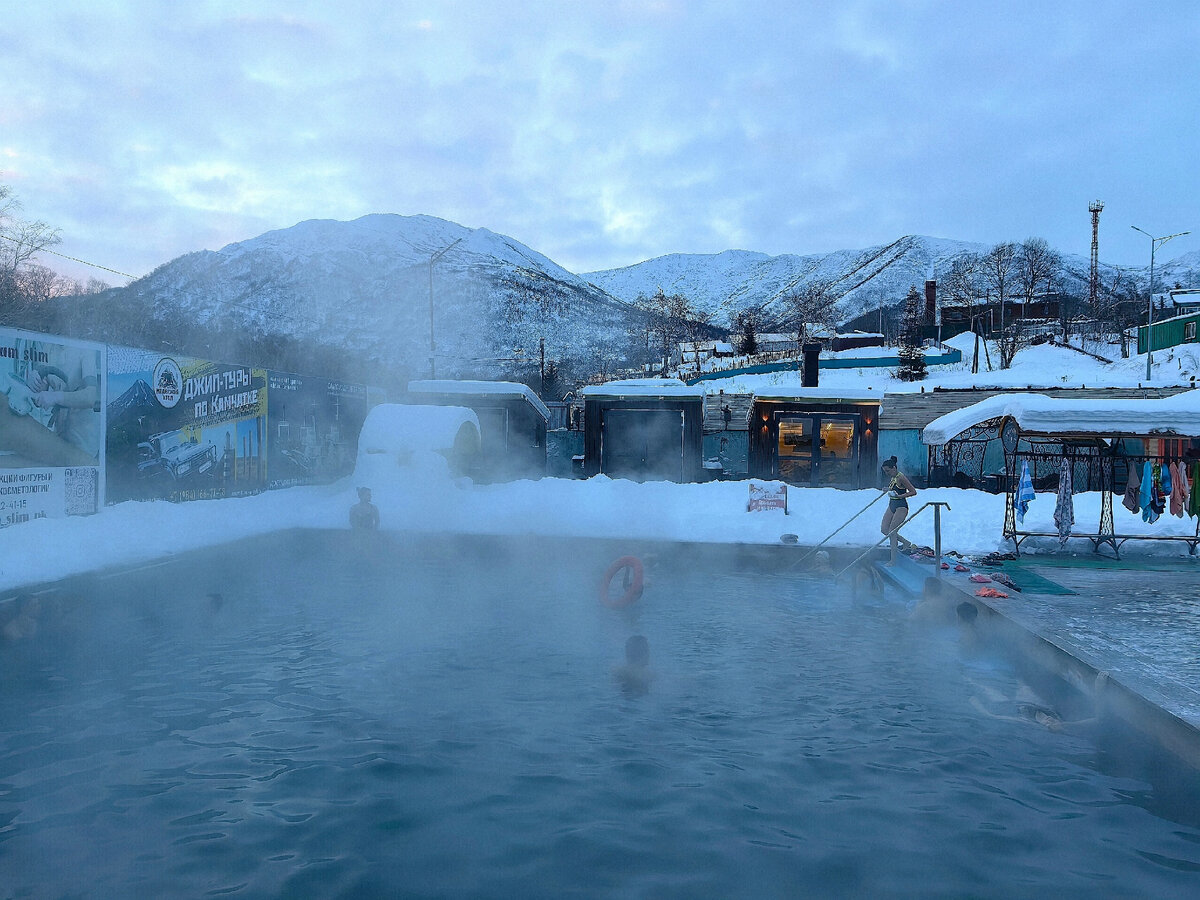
(961, 568)
(980, 579)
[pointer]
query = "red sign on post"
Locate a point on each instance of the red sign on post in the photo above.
(767, 496)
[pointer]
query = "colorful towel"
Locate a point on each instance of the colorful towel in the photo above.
(1024, 492)
(1064, 508)
(990, 592)
(1153, 502)
(1185, 490)
(1178, 490)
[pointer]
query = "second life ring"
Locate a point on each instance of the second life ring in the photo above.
(633, 592)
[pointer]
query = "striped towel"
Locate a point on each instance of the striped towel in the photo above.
(1024, 492)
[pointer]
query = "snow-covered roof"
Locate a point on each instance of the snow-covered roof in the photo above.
(500, 390)
(1037, 413)
(820, 393)
(715, 346)
(644, 387)
(394, 428)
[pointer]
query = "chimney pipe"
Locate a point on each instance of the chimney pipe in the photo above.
(811, 353)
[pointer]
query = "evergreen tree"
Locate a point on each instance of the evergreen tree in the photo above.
(912, 348)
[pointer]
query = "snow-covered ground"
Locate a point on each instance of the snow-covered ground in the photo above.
(1043, 366)
(426, 499)
(600, 507)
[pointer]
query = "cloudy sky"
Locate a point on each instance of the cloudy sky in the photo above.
(604, 133)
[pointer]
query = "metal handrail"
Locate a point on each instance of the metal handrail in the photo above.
(937, 537)
(817, 547)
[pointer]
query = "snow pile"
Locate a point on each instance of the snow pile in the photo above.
(417, 438)
(1178, 415)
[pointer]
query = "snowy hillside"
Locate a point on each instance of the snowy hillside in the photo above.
(723, 283)
(365, 286)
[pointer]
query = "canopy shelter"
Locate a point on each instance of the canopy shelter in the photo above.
(1077, 445)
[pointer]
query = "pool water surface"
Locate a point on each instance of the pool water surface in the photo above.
(326, 718)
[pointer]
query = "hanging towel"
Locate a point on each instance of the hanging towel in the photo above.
(1178, 491)
(1132, 501)
(1194, 499)
(1024, 492)
(1185, 488)
(1147, 489)
(1151, 493)
(1064, 509)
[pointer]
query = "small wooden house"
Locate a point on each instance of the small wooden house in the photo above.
(819, 437)
(644, 430)
(512, 424)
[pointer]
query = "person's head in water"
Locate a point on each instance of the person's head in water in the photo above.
(637, 651)
(364, 494)
(967, 613)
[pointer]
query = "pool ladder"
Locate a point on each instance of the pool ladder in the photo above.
(937, 536)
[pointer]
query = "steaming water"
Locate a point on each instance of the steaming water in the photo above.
(446, 722)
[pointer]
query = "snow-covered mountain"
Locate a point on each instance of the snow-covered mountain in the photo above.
(723, 283)
(362, 288)
(365, 286)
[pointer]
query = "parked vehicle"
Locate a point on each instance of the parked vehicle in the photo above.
(171, 453)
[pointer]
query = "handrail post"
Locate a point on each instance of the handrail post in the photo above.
(937, 540)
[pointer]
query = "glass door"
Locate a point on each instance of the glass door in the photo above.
(795, 454)
(818, 450)
(839, 452)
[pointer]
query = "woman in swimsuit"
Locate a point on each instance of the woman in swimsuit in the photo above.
(899, 490)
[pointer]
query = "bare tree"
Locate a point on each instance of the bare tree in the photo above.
(1000, 274)
(963, 286)
(810, 308)
(20, 242)
(1037, 266)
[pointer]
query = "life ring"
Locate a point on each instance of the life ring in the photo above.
(632, 593)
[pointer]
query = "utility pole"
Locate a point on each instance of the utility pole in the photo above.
(1155, 243)
(432, 345)
(542, 367)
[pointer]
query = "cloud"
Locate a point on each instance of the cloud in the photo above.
(601, 134)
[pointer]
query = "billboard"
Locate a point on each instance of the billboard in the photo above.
(181, 428)
(314, 425)
(51, 426)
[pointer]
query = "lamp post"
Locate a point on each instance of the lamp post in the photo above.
(1155, 243)
(432, 345)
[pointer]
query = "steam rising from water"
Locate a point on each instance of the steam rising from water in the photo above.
(357, 716)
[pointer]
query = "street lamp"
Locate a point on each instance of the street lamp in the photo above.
(432, 345)
(1155, 243)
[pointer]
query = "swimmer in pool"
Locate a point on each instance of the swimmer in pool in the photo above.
(24, 623)
(364, 514)
(1028, 706)
(634, 676)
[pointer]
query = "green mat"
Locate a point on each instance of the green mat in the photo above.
(1031, 581)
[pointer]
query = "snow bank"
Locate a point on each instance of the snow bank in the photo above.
(412, 500)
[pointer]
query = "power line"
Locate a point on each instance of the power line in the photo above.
(74, 259)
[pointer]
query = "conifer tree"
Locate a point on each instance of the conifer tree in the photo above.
(912, 349)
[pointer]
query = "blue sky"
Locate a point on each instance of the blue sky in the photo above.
(606, 133)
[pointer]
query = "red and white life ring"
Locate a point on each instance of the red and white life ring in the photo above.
(633, 592)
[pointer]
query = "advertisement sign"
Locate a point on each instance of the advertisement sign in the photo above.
(767, 496)
(314, 424)
(181, 428)
(51, 425)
